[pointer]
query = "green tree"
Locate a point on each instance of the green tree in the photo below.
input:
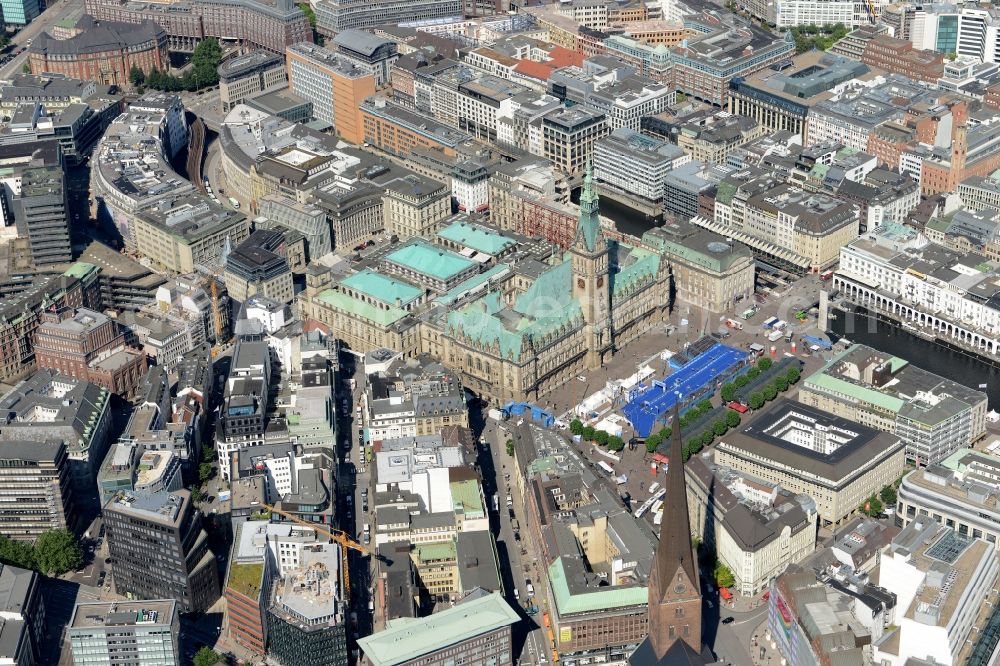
(206, 656)
(205, 472)
(17, 553)
(136, 76)
(26, 68)
(652, 442)
(509, 445)
(764, 364)
(874, 507)
(687, 452)
(756, 400)
(588, 433)
(793, 374)
(576, 426)
(197, 495)
(770, 392)
(707, 438)
(732, 419)
(615, 443)
(720, 428)
(728, 392)
(724, 576)
(208, 454)
(781, 383)
(704, 406)
(601, 437)
(740, 381)
(665, 433)
(57, 551)
(753, 373)
(888, 495)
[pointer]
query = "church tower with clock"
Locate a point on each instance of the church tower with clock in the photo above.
(591, 278)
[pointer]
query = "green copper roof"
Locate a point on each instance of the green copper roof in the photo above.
(382, 287)
(638, 267)
(465, 496)
(80, 269)
(477, 237)
(834, 384)
(589, 225)
(427, 259)
(544, 310)
(598, 599)
(354, 306)
(954, 461)
(439, 550)
(405, 639)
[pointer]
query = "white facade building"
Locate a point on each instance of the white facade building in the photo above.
(941, 580)
(635, 163)
(897, 270)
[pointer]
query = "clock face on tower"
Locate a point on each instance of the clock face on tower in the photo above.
(679, 588)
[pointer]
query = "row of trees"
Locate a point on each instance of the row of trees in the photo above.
(768, 393)
(729, 389)
(54, 553)
(687, 418)
(591, 434)
(202, 74)
(206, 470)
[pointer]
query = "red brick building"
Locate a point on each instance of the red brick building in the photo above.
(246, 595)
(271, 26)
(88, 345)
(899, 56)
(103, 51)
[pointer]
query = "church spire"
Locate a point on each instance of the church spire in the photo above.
(674, 588)
(588, 227)
(675, 534)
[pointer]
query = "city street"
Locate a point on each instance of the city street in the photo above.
(511, 548)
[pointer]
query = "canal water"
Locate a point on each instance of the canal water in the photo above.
(890, 338)
(627, 220)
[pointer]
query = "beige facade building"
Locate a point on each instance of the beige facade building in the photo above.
(250, 74)
(569, 137)
(836, 462)
(802, 231)
(709, 271)
(756, 528)
(191, 232)
(415, 206)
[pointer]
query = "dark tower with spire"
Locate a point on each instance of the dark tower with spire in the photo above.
(674, 590)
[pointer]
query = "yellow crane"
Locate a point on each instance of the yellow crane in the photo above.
(339, 536)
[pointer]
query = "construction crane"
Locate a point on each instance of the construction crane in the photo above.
(338, 536)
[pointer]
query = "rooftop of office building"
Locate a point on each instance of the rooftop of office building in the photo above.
(161, 506)
(894, 384)
(811, 441)
(310, 595)
(96, 36)
(245, 64)
(405, 639)
(807, 78)
(123, 613)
